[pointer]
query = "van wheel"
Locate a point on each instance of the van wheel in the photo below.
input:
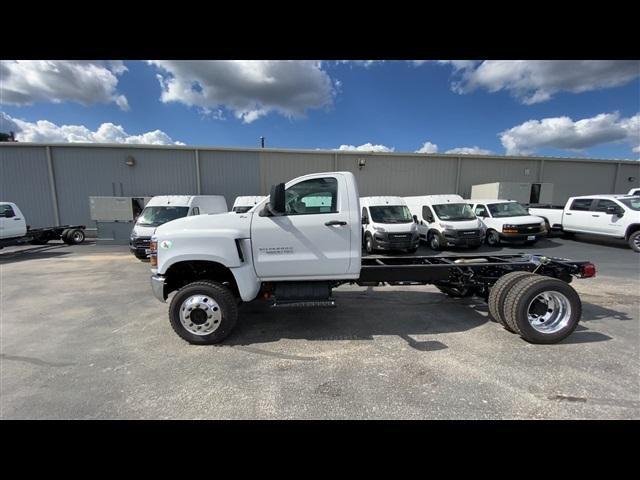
(493, 238)
(542, 309)
(434, 241)
(369, 244)
(634, 241)
(203, 313)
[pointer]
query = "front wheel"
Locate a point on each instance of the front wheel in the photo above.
(634, 241)
(369, 246)
(493, 238)
(434, 242)
(203, 313)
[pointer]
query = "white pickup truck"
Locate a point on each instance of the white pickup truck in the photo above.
(15, 231)
(303, 240)
(615, 216)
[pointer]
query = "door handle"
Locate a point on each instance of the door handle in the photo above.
(595, 215)
(335, 222)
(17, 218)
(567, 214)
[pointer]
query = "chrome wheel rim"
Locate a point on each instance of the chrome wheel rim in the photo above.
(549, 312)
(200, 315)
(434, 242)
(637, 241)
(77, 236)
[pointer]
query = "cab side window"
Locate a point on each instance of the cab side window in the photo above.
(481, 211)
(427, 214)
(365, 215)
(195, 211)
(318, 195)
(6, 211)
(602, 204)
(581, 204)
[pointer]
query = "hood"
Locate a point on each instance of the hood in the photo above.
(462, 224)
(397, 227)
(142, 231)
(519, 220)
(235, 224)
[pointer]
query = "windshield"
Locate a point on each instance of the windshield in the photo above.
(632, 203)
(454, 211)
(156, 216)
(391, 214)
(509, 209)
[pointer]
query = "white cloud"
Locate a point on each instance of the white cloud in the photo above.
(428, 147)
(470, 151)
(535, 81)
(564, 133)
(48, 132)
(249, 88)
(367, 147)
(87, 82)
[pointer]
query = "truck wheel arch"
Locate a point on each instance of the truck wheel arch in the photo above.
(631, 229)
(188, 271)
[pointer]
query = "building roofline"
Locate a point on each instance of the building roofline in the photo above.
(316, 151)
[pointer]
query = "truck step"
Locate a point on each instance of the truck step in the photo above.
(328, 303)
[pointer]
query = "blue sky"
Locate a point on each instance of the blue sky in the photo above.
(572, 108)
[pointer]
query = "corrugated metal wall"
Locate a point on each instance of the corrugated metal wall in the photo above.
(83, 171)
(24, 179)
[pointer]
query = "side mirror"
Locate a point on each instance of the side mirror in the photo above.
(415, 219)
(615, 210)
(276, 203)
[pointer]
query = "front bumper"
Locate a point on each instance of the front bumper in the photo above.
(140, 245)
(457, 238)
(157, 286)
(394, 241)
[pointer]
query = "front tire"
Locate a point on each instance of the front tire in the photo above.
(543, 310)
(203, 313)
(493, 238)
(435, 242)
(369, 244)
(634, 241)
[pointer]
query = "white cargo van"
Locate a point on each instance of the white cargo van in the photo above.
(164, 208)
(244, 204)
(446, 221)
(387, 224)
(508, 221)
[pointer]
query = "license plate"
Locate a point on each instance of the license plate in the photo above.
(531, 237)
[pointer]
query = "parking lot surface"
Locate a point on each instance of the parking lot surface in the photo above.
(82, 337)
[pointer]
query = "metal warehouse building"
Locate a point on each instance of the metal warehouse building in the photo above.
(52, 182)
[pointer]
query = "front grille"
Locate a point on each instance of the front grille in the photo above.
(141, 242)
(529, 228)
(399, 237)
(469, 233)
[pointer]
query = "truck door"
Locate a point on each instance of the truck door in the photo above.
(577, 218)
(607, 223)
(313, 238)
(12, 224)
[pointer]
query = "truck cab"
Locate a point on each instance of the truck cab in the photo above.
(165, 208)
(12, 221)
(387, 224)
(507, 221)
(446, 221)
(245, 203)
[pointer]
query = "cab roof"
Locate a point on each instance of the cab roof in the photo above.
(608, 195)
(489, 200)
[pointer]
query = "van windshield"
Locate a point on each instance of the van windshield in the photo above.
(507, 209)
(391, 214)
(156, 216)
(454, 211)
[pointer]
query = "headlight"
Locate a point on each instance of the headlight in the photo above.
(379, 229)
(446, 226)
(153, 253)
(509, 228)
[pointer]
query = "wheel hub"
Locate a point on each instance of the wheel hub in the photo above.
(549, 312)
(200, 315)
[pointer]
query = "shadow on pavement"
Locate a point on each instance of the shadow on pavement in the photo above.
(591, 311)
(33, 253)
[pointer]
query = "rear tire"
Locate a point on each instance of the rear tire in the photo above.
(220, 303)
(634, 241)
(498, 294)
(543, 310)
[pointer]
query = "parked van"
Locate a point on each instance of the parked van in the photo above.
(446, 221)
(508, 221)
(164, 208)
(244, 204)
(387, 224)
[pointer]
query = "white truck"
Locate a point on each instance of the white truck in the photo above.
(15, 231)
(243, 204)
(616, 216)
(507, 221)
(304, 240)
(165, 208)
(446, 221)
(634, 192)
(387, 224)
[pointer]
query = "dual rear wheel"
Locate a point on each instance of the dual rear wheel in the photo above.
(538, 308)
